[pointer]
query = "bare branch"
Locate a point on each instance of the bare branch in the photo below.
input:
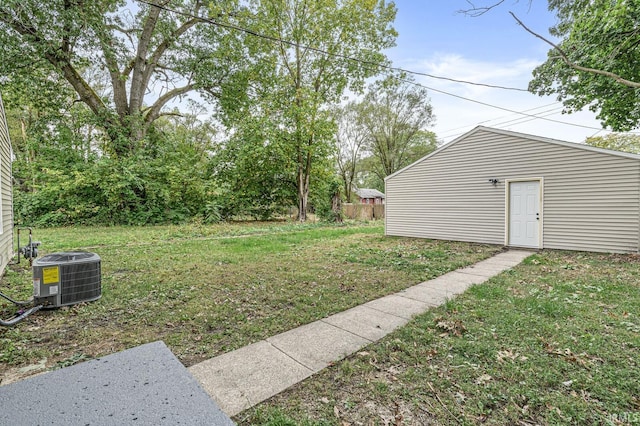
(144, 41)
(126, 31)
(476, 11)
(166, 43)
(575, 66)
(154, 111)
(107, 43)
(171, 114)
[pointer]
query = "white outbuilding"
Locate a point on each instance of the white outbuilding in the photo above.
(501, 187)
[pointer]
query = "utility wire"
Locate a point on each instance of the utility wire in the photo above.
(499, 107)
(522, 120)
(545, 113)
(498, 118)
(324, 52)
(376, 65)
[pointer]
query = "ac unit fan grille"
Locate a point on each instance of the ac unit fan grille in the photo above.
(79, 282)
(67, 256)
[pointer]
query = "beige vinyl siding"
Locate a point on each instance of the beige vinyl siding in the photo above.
(591, 199)
(6, 237)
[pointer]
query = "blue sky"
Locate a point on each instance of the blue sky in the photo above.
(434, 38)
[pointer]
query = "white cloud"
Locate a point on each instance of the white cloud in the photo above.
(455, 116)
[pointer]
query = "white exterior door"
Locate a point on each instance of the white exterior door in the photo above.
(524, 214)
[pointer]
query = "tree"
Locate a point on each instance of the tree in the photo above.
(396, 113)
(308, 43)
(61, 176)
(597, 62)
(254, 171)
(624, 142)
(126, 66)
(351, 136)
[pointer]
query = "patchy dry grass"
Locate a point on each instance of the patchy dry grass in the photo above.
(555, 340)
(206, 290)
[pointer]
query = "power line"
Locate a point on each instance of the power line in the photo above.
(376, 65)
(324, 52)
(498, 118)
(500, 108)
(540, 114)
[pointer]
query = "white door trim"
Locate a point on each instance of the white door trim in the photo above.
(507, 211)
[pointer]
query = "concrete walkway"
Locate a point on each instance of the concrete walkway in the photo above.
(242, 378)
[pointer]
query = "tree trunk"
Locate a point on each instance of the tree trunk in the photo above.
(303, 194)
(347, 188)
(336, 207)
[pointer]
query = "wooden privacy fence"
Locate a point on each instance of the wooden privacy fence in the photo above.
(363, 211)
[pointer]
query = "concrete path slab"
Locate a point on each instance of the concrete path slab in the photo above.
(430, 295)
(399, 306)
(486, 270)
(507, 263)
(318, 344)
(366, 322)
(242, 378)
(146, 385)
(516, 256)
(454, 281)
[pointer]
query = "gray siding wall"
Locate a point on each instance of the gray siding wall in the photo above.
(6, 237)
(591, 200)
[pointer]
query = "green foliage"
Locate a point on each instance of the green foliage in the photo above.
(123, 67)
(168, 182)
(395, 114)
(600, 35)
(286, 106)
(254, 171)
(625, 142)
(351, 135)
(326, 201)
(138, 190)
(212, 213)
(88, 86)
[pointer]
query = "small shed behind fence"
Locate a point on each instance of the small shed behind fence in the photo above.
(502, 187)
(370, 196)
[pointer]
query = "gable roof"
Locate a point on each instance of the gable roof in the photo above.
(369, 193)
(520, 135)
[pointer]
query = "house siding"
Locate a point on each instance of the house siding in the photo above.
(6, 237)
(591, 199)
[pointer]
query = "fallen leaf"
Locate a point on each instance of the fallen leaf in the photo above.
(398, 417)
(483, 379)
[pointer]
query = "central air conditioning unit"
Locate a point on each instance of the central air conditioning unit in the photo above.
(62, 279)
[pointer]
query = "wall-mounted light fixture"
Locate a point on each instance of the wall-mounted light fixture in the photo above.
(494, 181)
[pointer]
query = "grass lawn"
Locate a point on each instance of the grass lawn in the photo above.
(206, 290)
(555, 340)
